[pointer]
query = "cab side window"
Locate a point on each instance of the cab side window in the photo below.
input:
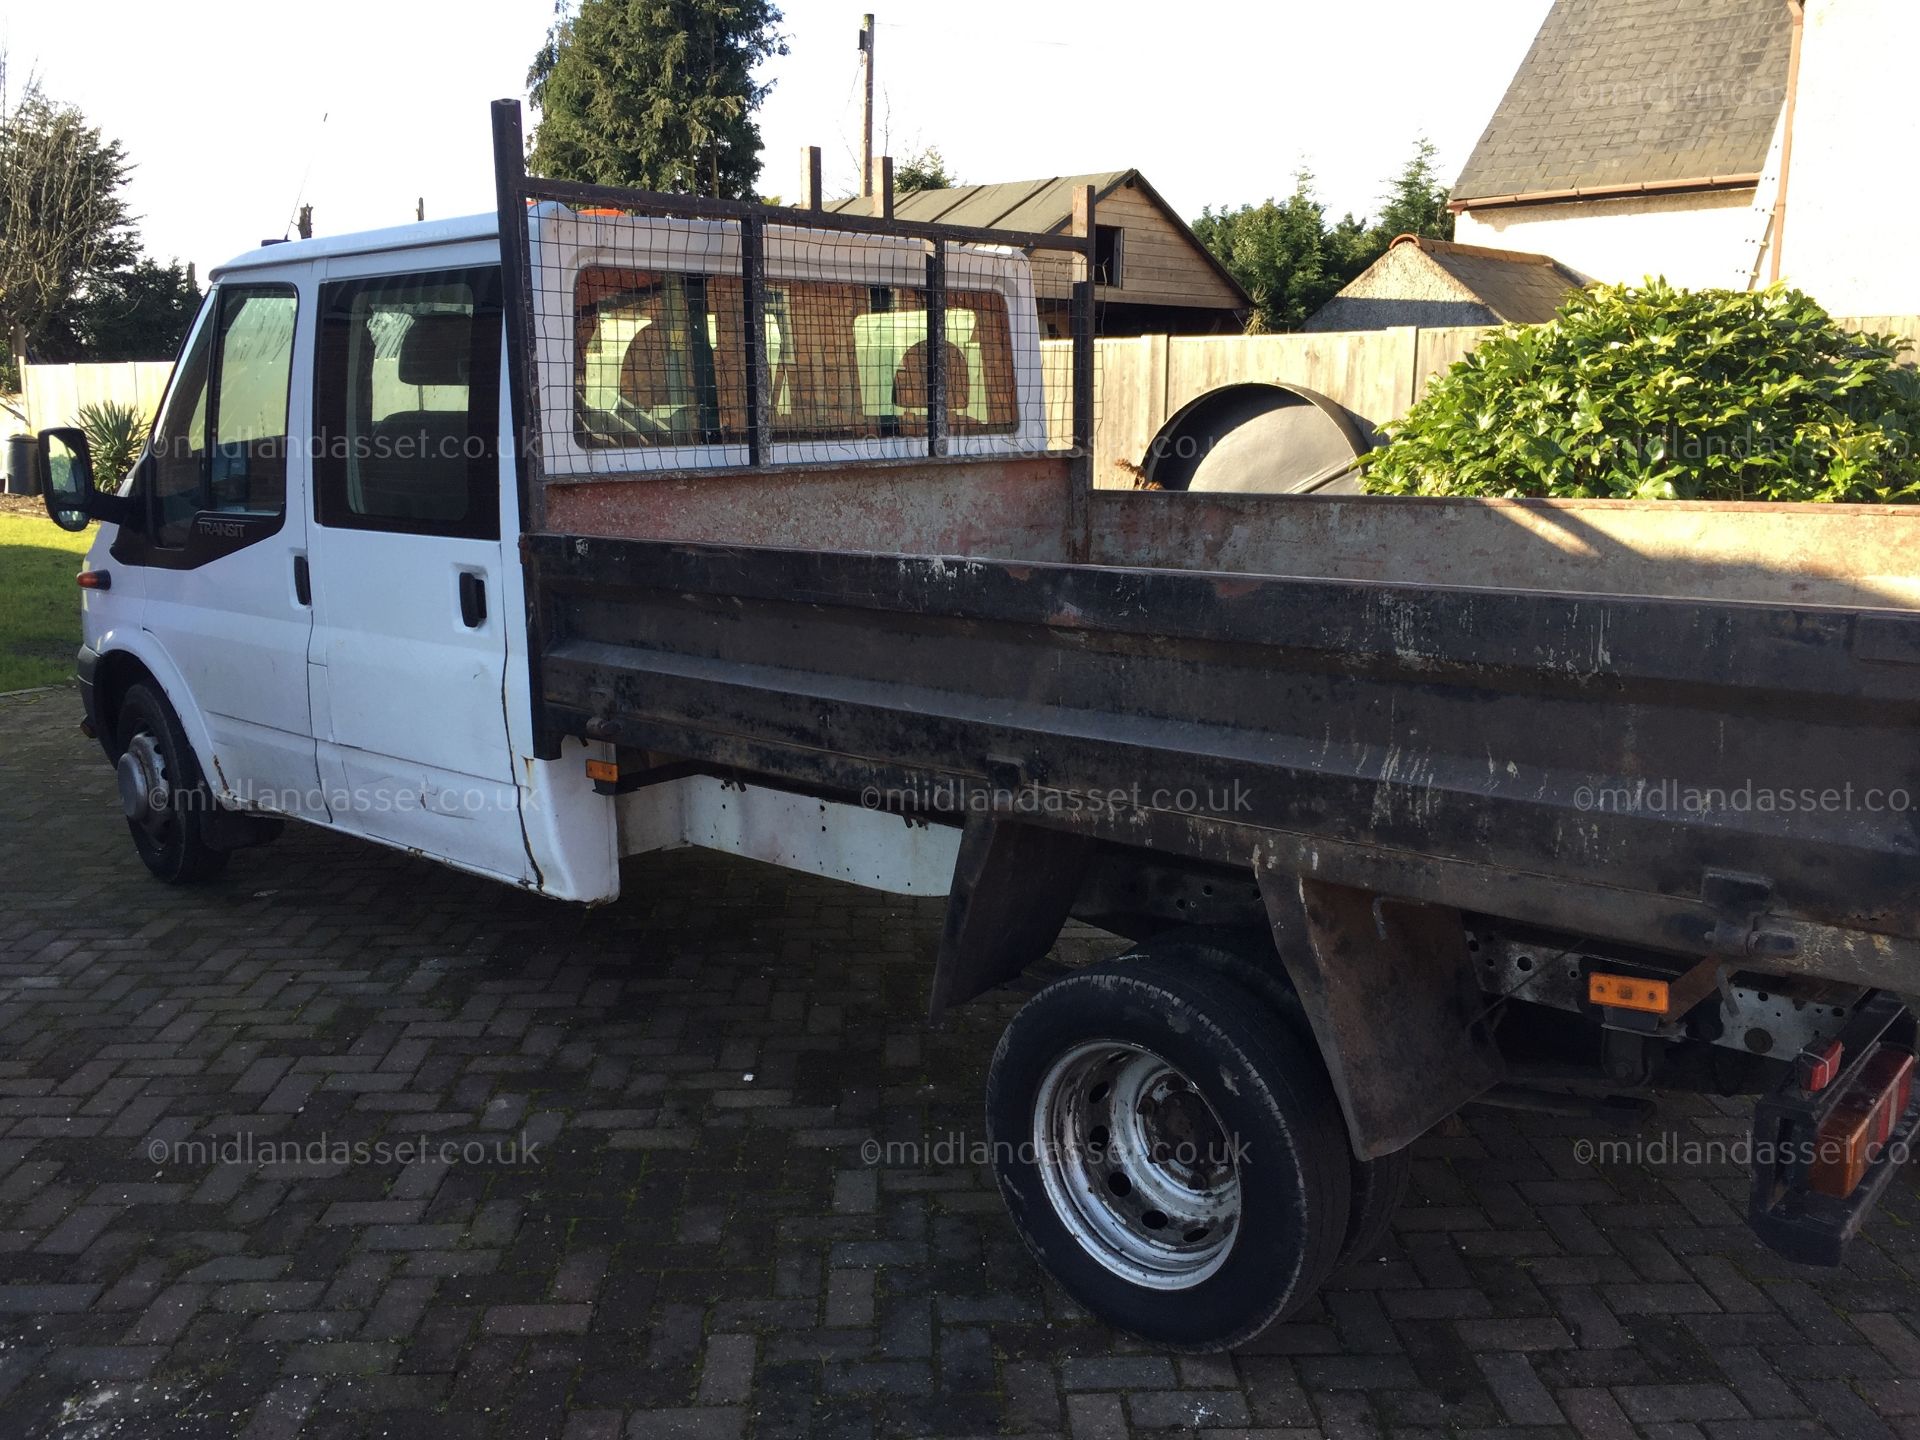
(180, 443)
(222, 443)
(406, 404)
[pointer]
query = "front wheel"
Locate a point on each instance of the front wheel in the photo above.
(165, 798)
(1173, 1156)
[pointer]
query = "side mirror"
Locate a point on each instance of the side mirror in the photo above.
(66, 477)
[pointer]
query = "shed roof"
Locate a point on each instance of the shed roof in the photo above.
(1625, 93)
(1519, 288)
(1038, 207)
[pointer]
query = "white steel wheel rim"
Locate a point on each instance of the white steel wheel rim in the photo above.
(1137, 1165)
(146, 795)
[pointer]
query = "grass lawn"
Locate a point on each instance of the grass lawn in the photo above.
(39, 603)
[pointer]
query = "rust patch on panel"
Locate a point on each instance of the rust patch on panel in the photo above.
(1011, 508)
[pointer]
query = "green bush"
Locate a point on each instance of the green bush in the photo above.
(115, 432)
(1652, 392)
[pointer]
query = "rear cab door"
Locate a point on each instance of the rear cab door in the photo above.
(409, 650)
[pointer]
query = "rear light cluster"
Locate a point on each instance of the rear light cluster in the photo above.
(1853, 1136)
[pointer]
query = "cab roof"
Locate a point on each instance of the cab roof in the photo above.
(366, 242)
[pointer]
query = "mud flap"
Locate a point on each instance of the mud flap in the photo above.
(1013, 884)
(1388, 987)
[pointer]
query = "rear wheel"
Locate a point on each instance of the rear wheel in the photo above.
(1246, 957)
(1168, 1152)
(162, 792)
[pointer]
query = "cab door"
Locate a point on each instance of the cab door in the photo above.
(410, 637)
(223, 541)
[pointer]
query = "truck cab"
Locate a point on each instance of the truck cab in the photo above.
(306, 565)
(313, 575)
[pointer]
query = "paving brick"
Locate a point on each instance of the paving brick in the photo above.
(1514, 1335)
(1595, 1414)
(726, 1374)
(1516, 1387)
(341, 1357)
(850, 1297)
(282, 1413)
(1097, 1417)
(1117, 1372)
(45, 1299)
(104, 1362)
(397, 1312)
(1650, 1404)
(1187, 1409)
(251, 1295)
(168, 1315)
(716, 1424)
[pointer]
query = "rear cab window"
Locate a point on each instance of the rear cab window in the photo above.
(406, 403)
(643, 361)
(658, 360)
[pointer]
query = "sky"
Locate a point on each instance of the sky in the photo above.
(235, 112)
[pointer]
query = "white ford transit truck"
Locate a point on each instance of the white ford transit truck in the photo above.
(615, 521)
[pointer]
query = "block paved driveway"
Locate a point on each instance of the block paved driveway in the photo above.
(659, 1221)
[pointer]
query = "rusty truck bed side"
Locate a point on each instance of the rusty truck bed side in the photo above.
(1584, 762)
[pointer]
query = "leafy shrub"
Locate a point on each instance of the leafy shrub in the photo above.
(115, 432)
(1653, 392)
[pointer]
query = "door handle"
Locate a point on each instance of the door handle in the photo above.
(473, 599)
(302, 581)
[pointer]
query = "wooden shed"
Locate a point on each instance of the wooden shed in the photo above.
(1154, 275)
(1438, 283)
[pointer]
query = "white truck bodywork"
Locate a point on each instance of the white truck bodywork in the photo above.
(367, 704)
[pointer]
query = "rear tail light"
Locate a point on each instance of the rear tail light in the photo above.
(1853, 1135)
(1818, 1067)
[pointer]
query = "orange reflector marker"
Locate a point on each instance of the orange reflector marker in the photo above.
(94, 580)
(1628, 992)
(606, 771)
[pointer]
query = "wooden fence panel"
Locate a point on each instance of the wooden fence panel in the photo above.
(1440, 349)
(1905, 327)
(1369, 372)
(1377, 375)
(55, 394)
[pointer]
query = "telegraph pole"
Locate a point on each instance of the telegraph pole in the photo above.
(866, 129)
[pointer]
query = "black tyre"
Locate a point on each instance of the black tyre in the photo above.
(163, 792)
(1171, 1154)
(1377, 1186)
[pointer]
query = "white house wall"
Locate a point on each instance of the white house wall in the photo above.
(1852, 209)
(1690, 239)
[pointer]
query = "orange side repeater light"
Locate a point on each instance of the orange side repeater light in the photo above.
(1628, 992)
